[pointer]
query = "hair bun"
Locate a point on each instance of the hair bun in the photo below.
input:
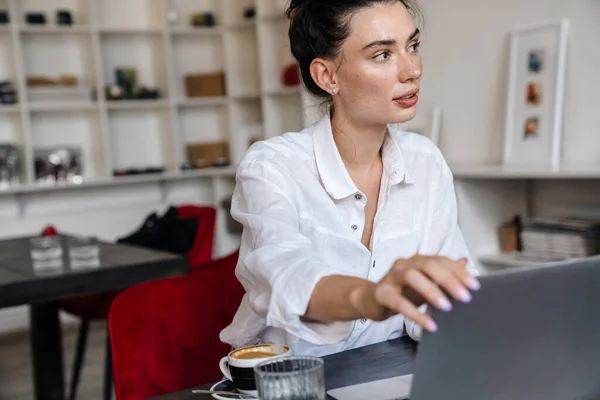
(294, 6)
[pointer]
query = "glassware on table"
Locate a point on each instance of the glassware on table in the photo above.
(46, 253)
(84, 252)
(291, 378)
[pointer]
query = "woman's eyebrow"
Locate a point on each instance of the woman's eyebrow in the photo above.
(390, 42)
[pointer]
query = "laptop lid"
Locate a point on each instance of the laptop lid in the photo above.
(528, 334)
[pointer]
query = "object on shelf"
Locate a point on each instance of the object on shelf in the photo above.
(138, 171)
(114, 92)
(126, 78)
(9, 166)
(4, 18)
(64, 17)
(290, 76)
(202, 19)
(35, 18)
(60, 94)
(127, 87)
(249, 13)
(40, 80)
(205, 85)
(68, 80)
(8, 94)
(143, 93)
(510, 235)
(561, 237)
(58, 165)
(206, 155)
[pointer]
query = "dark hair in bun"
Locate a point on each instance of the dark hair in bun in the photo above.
(318, 28)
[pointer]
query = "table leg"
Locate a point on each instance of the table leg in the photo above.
(46, 352)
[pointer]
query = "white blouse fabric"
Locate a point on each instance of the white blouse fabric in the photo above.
(303, 219)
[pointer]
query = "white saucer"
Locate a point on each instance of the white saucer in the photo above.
(226, 386)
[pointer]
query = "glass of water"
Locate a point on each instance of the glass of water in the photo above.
(291, 378)
(84, 252)
(46, 252)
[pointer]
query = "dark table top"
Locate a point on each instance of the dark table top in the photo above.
(366, 364)
(120, 266)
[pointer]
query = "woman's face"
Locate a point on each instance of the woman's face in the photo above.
(379, 66)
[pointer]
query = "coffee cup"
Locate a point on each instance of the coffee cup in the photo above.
(239, 365)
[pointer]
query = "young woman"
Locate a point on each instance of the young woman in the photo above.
(350, 226)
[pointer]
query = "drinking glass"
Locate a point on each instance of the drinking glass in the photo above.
(291, 378)
(46, 252)
(83, 252)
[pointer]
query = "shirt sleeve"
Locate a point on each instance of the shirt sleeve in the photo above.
(444, 235)
(278, 267)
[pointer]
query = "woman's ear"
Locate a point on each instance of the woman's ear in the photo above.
(323, 74)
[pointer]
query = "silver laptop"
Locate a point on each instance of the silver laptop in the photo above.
(528, 334)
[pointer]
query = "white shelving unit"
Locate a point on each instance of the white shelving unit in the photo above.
(109, 34)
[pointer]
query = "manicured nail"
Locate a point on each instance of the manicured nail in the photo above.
(473, 283)
(464, 295)
(444, 304)
(431, 326)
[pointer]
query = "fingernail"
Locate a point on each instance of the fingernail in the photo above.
(473, 283)
(431, 326)
(444, 304)
(464, 295)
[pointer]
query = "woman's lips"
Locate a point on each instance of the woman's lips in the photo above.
(408, 101)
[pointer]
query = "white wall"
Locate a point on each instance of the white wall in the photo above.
(465, 55)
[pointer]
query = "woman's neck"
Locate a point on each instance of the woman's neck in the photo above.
(358, 144)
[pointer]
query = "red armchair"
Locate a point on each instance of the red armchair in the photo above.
(165, 334)
(202, 250)
(96, 307)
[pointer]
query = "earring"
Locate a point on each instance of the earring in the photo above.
(334, 90)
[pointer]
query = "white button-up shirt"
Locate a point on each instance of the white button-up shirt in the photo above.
(303, 219)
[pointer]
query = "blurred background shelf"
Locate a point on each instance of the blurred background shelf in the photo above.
(487, 171)
(225, 172)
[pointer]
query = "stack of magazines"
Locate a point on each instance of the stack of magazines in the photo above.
(560, 238)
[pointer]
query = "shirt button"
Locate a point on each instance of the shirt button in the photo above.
(363, 321)
(358, 196)
(354, 227)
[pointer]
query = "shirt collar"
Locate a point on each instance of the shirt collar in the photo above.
(333, 172)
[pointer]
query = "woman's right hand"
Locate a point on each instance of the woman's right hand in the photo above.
(413, 282)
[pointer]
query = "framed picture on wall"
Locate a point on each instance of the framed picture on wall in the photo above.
(536, 83)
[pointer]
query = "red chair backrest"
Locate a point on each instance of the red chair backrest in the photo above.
(165, 333)
(202, 250)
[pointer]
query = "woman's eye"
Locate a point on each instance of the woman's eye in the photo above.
(384, 55)
(415, 47)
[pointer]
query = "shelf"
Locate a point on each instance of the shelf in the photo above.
(203, 102)
(46, 29)
(286, 91)
(227, 172)
(272, 18)
(130, 31)
(245, 96)
(479, 171)
(200, 31)
(242, 25)
(9, 108)
(136, 104)
(63, 106)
